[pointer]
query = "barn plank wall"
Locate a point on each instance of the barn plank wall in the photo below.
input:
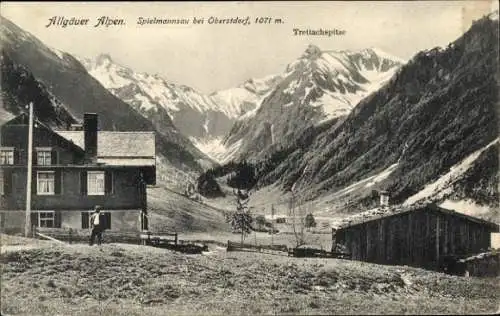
(420, 238)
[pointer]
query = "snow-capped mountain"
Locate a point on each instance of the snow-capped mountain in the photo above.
(317, 87)
(204, 119)
(429, 135)
(246, 97)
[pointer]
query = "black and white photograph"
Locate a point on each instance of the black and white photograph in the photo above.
(249, 158)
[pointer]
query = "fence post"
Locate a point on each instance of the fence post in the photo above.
(176, 239)
(33, 231)
(70, 236)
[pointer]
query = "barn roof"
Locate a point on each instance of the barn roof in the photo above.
(119, 148)
(379, 213)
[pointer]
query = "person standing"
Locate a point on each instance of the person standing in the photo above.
(96, 225)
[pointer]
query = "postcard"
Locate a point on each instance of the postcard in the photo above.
(249, 158)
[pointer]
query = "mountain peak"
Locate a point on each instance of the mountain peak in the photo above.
(382, 54)
(493, 15)
(103, 59)
(312, 52)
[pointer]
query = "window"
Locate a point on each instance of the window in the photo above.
(43, 157)
(46, 219)
(7, 156)
(45, 182)
(95, 183)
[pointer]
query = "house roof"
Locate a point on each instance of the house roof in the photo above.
(23, 118)
(119, 148)
(379, 213)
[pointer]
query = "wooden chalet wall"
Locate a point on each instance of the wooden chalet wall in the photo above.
(419, 237)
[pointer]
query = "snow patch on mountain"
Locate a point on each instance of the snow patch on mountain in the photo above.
(246, 97)
(383, 54)
(336, 104)
(215, 149)
(58, 53)
(467, 207)
(370, 181)
(443, 185)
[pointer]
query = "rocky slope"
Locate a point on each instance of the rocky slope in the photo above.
(317, 87)
(19, 88)
(435, 119)
(67, 80)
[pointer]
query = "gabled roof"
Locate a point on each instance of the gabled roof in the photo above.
(119, 148)
(113, 148)
(23, 119)
(379, 213)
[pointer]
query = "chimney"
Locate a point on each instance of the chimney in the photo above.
(90, 136)
(384, 198)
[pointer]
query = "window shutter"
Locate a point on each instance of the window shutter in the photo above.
(85, 220)
(57, 219)
(83, 182)
(144, 221)
(21, 157)
(7, 182)
(53, 157)
(2, 220)
(17, 155)
(108, 182)
(34, 218)
(35, 158)
(102, 220)
(34, 181)
(105, 220)
(58, 182)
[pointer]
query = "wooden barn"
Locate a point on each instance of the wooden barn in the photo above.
(422, 236)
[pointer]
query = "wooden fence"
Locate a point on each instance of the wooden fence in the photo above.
(82, 236)
(235, 246)
(159, 238)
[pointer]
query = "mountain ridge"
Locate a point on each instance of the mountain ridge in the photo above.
(435, 111)
(69, 82)
(317, 87)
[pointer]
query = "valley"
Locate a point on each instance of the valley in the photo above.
(387, 165)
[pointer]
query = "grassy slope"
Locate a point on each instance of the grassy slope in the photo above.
(137, 280)
(174, 212)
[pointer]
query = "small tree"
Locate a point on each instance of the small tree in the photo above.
(297, 217)
(242, 219)
(310, 221)
(260, 221)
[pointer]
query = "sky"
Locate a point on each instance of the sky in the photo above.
(211, 57)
